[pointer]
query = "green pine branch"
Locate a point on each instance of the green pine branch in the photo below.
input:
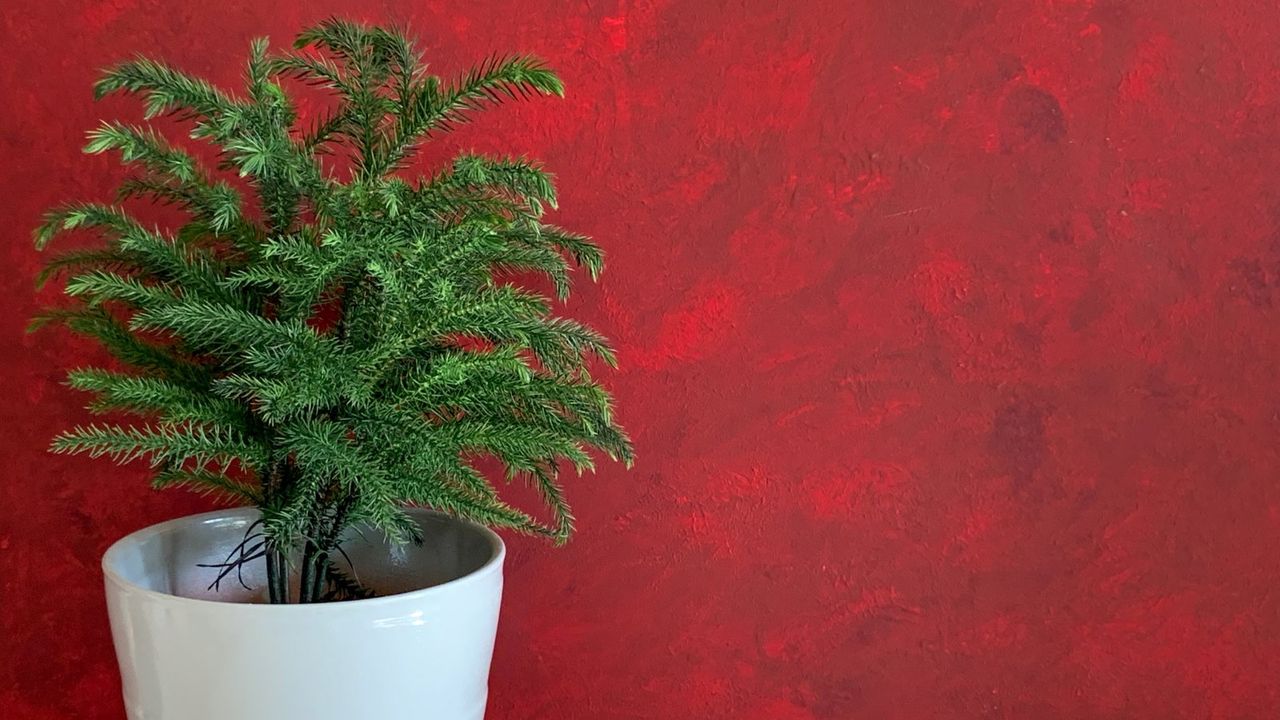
(334, 347)
(204, 446)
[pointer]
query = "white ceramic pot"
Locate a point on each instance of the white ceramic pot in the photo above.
(420, 650)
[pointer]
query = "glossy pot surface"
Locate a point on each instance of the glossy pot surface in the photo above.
(421, 649)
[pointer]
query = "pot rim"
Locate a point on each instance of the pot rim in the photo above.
(490, 566)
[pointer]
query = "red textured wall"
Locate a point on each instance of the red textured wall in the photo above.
(949, 333)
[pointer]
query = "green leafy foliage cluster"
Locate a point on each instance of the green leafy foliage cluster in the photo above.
(328, 340)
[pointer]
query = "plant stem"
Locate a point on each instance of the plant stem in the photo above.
(273, 594)
(315, 551)
(277, 580)
(277, 561)
(321, 576)
(308, 569)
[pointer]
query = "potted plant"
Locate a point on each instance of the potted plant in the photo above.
(346, 352)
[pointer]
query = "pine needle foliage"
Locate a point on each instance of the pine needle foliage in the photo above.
(332, 341)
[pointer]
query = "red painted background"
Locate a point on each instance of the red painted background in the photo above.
(949, 333)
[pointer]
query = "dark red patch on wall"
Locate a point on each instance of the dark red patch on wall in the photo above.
(949, 334)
